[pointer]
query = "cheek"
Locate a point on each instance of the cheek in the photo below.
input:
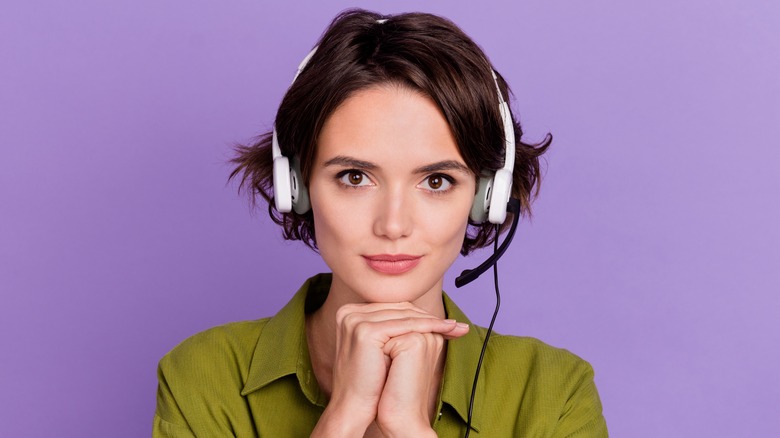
(446, 227)
(327, 223)
(336, 223)
(326, 236)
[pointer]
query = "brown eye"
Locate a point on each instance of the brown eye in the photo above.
(355, 178)
(437, 183)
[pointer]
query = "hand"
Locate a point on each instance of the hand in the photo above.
(362, 362)
(412, 384)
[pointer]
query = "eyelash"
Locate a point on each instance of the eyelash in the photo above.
(340, 178)
(438, 192)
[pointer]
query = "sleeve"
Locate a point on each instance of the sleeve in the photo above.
(169, 422)
(582, 416)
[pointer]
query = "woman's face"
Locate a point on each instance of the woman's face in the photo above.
(390, 196)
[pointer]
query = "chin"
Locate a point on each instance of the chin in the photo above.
(384, 288)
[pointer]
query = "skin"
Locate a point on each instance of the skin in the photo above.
(387, 179)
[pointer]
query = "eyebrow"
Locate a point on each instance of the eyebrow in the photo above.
(443, 165)
(439, 166)
(341, 160)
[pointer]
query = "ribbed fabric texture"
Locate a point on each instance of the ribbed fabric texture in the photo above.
(255, 378)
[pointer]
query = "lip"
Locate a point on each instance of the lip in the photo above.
(393, 264)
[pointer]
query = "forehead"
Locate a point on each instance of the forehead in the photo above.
(388, 123)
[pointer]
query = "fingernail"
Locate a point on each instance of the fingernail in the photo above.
(463, 325)
(449, 321)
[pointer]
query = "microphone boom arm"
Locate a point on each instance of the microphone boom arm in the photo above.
(469, 275)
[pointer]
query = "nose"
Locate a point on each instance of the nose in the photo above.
(394, 215)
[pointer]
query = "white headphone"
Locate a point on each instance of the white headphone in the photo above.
(493, 189)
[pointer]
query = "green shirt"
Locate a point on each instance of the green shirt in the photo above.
(255, 378)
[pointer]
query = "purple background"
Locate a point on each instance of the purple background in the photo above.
(654, 251)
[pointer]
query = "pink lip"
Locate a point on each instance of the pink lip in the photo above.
(393, 264)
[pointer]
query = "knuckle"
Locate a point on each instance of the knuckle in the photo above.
(361, 330)
(345, 310)
(416, 340)
(341, 313)
(349, 320)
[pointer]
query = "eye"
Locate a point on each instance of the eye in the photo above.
(437, 183)
(353, 178)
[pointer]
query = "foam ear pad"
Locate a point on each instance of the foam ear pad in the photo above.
(282, 191)
(299, 192)
(481, 204)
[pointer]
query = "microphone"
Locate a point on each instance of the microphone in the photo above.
(469, 275)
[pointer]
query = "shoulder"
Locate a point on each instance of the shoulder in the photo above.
(558, 384)
(218, 349)
(200, 380)
(216, 359)
(535, 357)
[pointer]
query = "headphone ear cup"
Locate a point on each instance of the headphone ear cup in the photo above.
(502, 188)
(282, 192)
(481, 204)
(300, 194)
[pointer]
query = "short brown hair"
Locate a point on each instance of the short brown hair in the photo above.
(423, 52)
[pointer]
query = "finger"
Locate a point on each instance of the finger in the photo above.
(349, 321)
(460, 329)
(373, 308)
(376, 306)
(425, 343)
(382, 331)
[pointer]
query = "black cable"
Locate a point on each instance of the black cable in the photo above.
(487, 336)
(469, 275)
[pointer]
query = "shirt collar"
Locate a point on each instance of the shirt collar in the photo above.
(282, 350)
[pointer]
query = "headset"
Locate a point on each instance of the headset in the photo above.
(289, 191)
(493, 189)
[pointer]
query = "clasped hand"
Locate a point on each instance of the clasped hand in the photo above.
(387, 369)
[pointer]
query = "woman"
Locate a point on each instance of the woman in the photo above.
(390, 129)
